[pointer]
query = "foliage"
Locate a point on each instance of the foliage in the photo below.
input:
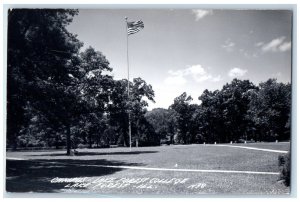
(285, 168)
(41, 55)
(163, 122)
(270, 109)
(184, 112)
(121, 105)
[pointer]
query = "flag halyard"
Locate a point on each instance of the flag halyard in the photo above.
(134, 27)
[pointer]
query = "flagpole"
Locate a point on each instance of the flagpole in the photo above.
(129, 121)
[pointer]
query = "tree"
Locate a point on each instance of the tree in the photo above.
(184, 112)
(223, 113)
(235, 104)
(242, 111)
(62, 94)
(270, 110)
(41, 56)
(121, 105)
(209, 117)
(164, 123)
(95, 89)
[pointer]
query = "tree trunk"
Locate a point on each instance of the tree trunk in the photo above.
(90, 140)
(56, 141)
(68, 140)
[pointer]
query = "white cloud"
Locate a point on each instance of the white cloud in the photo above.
(285, 46)
(276, 45)
(228, 45)
(195, 72)
(258, 44)
(199, 14)
(237, 72)
(273, 45)
(164, 95)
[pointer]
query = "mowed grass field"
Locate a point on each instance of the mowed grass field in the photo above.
(167, 170)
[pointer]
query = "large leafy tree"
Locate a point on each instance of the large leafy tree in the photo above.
(118, 110)
(270, 110)
(140, 93)
(121, 105)
(234, 106)
(95, 87)
(184, 113)
(163, 122)
(209, 116)
(42, 55)
(223, 113)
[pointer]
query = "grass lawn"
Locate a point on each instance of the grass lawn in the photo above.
(109, 171)
(268, 145)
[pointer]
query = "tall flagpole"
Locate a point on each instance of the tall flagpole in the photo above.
(129, 121)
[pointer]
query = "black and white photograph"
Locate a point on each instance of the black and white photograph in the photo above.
(149, 101)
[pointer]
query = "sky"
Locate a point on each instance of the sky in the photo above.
(190, 50)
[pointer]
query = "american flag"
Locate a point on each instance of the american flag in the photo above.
(134, 27)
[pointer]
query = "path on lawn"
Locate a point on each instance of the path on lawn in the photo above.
(254, 148)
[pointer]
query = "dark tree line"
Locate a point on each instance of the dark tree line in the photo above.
(60, 96)
(239, 112)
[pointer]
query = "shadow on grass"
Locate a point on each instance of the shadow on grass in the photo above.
(35, 175)
(98, 153)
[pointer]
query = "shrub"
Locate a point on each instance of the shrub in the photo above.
(285, 168)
